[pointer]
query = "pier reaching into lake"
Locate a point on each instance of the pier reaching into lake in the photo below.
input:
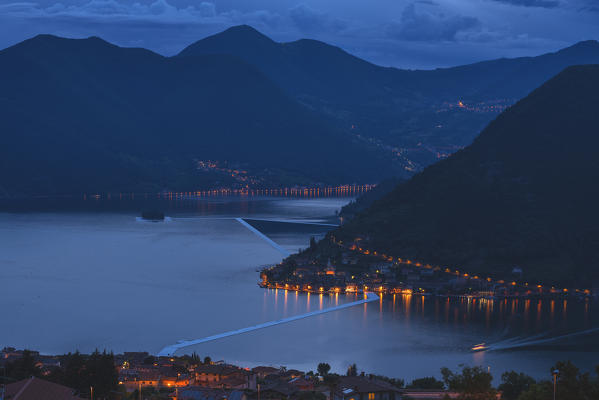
(170, 350)
(281, 250)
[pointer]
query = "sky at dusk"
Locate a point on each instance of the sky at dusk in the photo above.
(400, 33)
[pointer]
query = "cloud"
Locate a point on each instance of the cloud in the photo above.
(157, 11)
(207, 9)
(426, 26)
(588, 6)
(427, 2)
(308, 19)
(532, 3)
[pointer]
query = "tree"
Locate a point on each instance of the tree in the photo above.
(352, 370)
(541, 390)
(207, 360)
(72, 372)
(101, 373)
(399, 383)
(513, 384)
(571, 384)
(429, 382)
(323, 369)
(473, 383)
(23, 368)
(83, 372)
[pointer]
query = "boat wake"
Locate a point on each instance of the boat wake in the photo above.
(530, 341)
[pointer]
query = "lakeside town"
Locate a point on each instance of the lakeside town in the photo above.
(332, 266)
(140, 375)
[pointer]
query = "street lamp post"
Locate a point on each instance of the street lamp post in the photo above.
(555, 373)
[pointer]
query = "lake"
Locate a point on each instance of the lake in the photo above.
(91, 274)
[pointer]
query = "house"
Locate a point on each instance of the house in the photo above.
(302, 384)
(174, 380)
(133, 379)
(278, 390)
(262, 372)
(236, 382)
(224, 376)
(365, 388)
(291, 374)
(47, 363)
(9, 354)
(38, 389)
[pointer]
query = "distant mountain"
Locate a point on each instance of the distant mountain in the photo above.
(524, 193)
(419, 116)
(87, 116)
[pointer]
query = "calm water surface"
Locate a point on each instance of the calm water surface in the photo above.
(100, 278)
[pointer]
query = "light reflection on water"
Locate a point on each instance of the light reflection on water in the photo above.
(432, 332)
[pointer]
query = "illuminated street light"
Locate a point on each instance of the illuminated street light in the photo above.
(555, 373)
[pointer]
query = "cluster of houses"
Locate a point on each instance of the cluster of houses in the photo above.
(352, 275)
(188, 378)
(220, 381)
(357, 270)
(45, 363)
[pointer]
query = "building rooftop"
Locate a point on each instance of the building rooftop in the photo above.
(37, 389)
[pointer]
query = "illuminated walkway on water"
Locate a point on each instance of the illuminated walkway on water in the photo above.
(170, 350)
(278, 248)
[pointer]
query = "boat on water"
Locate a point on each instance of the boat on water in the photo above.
(479, 347)
(152, 215)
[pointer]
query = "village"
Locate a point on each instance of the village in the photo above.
(143, 376)
(354, 268)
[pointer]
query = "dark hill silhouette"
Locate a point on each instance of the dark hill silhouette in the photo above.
(523, 193)
(88, 116)
(393, 107)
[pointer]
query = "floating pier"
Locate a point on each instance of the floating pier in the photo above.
(170, 350)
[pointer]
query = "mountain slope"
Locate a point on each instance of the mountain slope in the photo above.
(415, 115)
(523, 193)
(85, 115)
(305, 68)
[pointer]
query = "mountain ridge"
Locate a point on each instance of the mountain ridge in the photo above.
(414, 113)
(108, 118)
